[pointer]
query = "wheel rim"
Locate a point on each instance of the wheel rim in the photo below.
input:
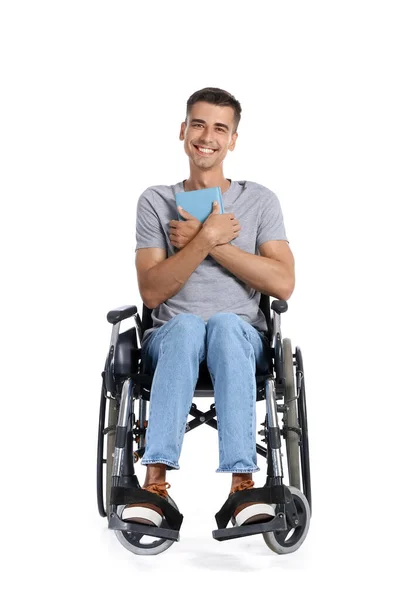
(141, 541)
(304, 446)
(100, 450)
(290, 537)
(112, 421)
(290, 418)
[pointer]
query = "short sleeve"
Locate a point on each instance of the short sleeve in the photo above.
(149, 231)
(270, 222)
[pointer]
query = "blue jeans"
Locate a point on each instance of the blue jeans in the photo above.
(173, 352)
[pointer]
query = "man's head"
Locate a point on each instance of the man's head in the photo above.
(212, 119)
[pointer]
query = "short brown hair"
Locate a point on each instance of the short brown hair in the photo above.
(220, 98)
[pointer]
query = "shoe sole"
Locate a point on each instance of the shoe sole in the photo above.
(140, 514)
(256, 513)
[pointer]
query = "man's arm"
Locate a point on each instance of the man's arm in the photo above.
(168, 277)
(272, 273)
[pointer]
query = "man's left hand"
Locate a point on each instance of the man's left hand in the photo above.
(182, 232)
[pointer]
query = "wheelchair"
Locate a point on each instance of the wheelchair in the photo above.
(124, 383)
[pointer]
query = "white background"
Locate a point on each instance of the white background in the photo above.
(93, 94)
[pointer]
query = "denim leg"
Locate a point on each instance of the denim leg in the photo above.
(235, 350)
(173, 353)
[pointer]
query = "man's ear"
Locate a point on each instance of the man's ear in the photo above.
(182, 131)
(232, 145)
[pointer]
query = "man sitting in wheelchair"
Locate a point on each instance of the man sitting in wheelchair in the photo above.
(203, 281)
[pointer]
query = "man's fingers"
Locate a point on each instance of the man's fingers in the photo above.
(185, 213)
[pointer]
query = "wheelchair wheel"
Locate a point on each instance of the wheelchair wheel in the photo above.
(290, 419)
(104, 503)
(100, 448)
(304, 447)
(139, 543)
(112, 423)
(285, 542)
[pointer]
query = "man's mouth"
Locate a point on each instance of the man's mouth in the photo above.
(204, 151)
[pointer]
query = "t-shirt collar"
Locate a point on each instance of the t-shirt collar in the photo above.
(181, 185)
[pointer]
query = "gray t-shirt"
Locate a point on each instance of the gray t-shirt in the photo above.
(211, 288)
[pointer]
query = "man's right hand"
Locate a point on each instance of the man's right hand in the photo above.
(221, 228)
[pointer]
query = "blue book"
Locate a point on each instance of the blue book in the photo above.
(199, 203)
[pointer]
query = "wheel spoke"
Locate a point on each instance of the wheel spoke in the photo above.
(291, 536)
(302, 516)
(282, 535)
(134, 537)
(136, 540)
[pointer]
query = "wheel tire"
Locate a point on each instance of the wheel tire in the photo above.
(133, 542)
(290, 418)
(279, 541)
(100, 450)
(112, 422)
(302, 408)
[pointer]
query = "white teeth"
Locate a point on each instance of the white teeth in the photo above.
(208, 151)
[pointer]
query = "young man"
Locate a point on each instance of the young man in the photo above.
(205, 295)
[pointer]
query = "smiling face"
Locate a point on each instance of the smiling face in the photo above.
(211, 127)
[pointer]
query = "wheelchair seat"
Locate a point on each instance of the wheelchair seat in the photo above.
(204, 383)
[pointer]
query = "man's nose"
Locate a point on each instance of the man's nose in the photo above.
(206, 138)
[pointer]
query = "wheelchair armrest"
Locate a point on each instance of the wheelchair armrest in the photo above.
(121, 313)
(279, 306)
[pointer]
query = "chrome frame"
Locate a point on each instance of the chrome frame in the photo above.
(138, 327)
(272, 422)
(276, 327)
(271, 419)
(123, 416)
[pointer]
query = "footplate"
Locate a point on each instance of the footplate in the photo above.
(277, 495)
(278, 523)
(170, 524)
(116, 522)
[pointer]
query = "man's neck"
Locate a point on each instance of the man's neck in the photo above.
(205, 181)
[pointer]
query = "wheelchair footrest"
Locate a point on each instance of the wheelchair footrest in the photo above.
(274, 494)
(267, 494)
(159, 532)
(278, 523)
(131, 495)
